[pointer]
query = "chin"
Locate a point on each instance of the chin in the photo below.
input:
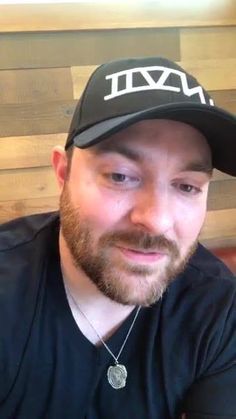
(134, 290)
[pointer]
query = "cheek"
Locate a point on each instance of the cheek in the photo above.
(101, 211)
(190, 221)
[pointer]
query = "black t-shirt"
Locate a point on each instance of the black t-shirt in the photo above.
(180, 355)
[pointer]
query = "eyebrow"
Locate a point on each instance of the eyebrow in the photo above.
(137, 156)
(104, 148)
(204, 167)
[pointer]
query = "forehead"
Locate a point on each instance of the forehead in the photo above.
(151, 139)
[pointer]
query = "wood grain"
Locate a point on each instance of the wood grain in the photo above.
(219, 242)
(29, 151)
(208, 43)
(130, 14)
(77, 48)
(35, 86)
(80, 76)
(218, 224)
(222, 195)
(27, 183)
(22, 207)
(218, 175)
(36, 118)
(210, 73)
(225, 99)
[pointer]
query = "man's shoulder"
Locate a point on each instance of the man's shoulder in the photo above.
(22, 231)
(207, 266)
(25, 245)
(200, 311)
(206, 280)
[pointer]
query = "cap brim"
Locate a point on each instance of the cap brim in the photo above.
(217, 125)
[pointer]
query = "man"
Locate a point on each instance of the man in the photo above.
(116, 311)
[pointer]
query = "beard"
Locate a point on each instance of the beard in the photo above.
(120, 280)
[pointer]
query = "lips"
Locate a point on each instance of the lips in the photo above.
(142, 256)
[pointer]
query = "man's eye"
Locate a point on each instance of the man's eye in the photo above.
(121, 179)
(189, 189)
(118, 177)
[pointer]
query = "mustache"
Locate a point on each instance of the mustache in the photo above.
(140, 241)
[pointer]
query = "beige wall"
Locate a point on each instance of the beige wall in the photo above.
(47, 53)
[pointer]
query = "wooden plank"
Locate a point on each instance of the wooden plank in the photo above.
(64, 49)
(222, 195)
(219, 224)
(225, 99)
(27, 183)
(80, 76)
(130, 14)
(29, 151)
(35, 86)
(36, 118)
(20, 208)
(208, 43)
(214, 74)
(219, 242)
(217, 175)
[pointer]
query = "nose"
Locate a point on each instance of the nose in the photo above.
(153, 211)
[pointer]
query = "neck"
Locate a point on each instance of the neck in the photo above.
(105, 315)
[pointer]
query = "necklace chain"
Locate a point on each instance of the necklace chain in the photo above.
(96, 332)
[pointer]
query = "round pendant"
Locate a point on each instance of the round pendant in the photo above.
(117, 375)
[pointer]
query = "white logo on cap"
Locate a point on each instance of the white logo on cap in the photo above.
(151, 84)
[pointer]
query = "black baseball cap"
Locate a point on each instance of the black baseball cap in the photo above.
(123, 92)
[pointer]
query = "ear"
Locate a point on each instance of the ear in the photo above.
(59, 163)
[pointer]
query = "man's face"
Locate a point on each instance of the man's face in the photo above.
(133, 206)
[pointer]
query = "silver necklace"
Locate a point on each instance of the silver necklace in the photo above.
(117, 373)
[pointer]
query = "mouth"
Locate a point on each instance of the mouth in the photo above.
(142, 256)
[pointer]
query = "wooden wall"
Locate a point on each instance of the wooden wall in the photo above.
(47, 53)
